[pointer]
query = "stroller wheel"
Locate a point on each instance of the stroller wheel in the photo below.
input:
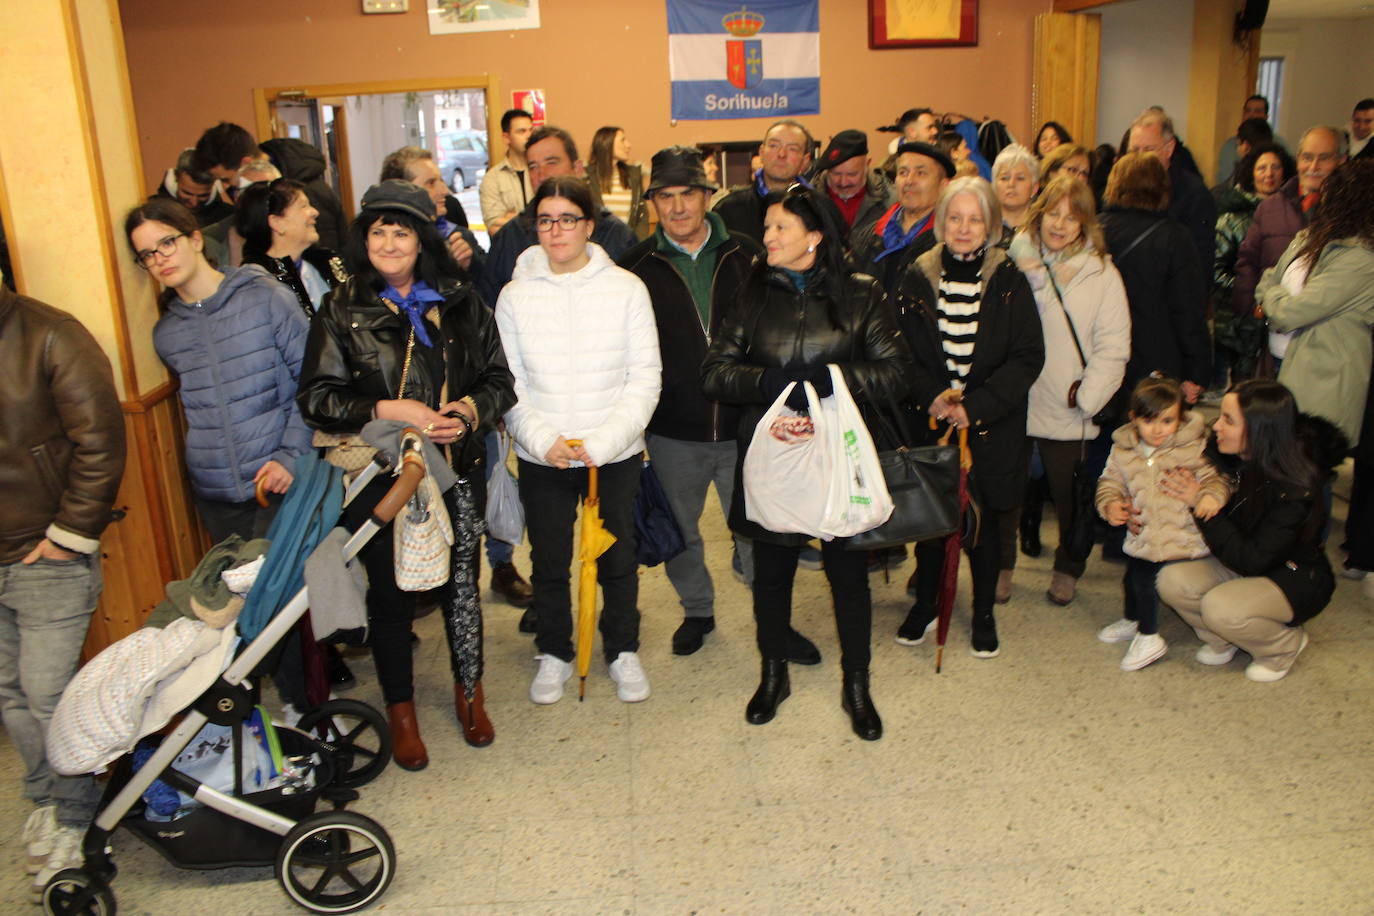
(356, 734)
(74, 892)
(335, 862)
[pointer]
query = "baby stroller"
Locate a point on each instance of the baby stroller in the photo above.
(334, 861)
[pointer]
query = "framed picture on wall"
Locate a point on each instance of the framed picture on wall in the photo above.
(922, 23)
(448, 17)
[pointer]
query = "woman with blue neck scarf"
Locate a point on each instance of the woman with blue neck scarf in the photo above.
(800, 311)
(407, 338)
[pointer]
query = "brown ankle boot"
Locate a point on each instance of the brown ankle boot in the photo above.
(472, 717)
(406, 747)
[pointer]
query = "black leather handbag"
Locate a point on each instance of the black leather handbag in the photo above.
(924, 484)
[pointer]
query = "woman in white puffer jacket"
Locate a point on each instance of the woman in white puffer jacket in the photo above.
(581, 340)
(1061, 252)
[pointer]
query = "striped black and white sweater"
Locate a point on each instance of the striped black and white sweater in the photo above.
(958, 301)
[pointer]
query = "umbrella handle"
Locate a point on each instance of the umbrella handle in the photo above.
(591, 473)
(407, 481)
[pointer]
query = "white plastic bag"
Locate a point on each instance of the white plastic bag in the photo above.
(786, 476)
(505, 515)
(858, 499)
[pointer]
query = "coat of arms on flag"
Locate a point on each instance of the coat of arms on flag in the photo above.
(758, 59)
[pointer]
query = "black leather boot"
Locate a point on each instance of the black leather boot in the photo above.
(856, 701)
(984, 635)
(1032, 510)
(774, 687)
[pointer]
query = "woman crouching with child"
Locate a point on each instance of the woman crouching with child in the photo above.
(1161, 440)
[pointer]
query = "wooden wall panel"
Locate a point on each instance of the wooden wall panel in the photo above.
(159, 536)
(1065, 72)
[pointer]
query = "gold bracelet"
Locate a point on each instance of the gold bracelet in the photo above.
(467, 399)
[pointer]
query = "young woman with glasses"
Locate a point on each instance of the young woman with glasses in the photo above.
(581, 339)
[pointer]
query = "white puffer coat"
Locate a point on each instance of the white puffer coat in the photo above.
(1096, 299)
(583, 348)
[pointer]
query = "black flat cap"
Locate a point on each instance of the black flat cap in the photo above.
(933, 152)
(843, 146)
(395, 194)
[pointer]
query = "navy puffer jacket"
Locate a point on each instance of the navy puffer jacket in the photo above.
(238, 354)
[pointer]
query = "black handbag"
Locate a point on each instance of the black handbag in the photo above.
(924, 484)
(659, 537)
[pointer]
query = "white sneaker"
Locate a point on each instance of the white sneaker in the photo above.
(38, 833)
(66, 853)
(632, 686)
(547, 686)
(1206, 655)
(1266, 675)
(1145, 648)
(1121, 631)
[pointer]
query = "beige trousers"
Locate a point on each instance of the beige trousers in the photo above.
(1226, 608)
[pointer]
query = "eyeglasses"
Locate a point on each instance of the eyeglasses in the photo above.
(165, 247)
(564, 221)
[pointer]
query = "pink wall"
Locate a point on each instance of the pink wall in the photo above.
(600, 61)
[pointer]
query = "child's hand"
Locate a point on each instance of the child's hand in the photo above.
(1119, 512)
(1207, 506)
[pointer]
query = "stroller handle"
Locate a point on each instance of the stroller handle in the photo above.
(412, 472)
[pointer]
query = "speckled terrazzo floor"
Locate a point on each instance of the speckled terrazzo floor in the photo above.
(1043, 781)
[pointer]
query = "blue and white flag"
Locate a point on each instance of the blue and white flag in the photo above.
(757, 60)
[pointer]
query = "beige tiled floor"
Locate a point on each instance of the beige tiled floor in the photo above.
(1043, 781)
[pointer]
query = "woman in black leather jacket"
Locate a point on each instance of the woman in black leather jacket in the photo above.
(975, 336)
(799, 312)
(407, 312)
(277, 223)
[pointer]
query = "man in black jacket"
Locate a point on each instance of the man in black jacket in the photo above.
(1190, 202)
(785, 154)
(226, 149)
(694, 268)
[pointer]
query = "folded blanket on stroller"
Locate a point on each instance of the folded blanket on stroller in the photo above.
(132, 689)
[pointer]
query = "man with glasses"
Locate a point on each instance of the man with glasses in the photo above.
(1189, 201)
(62, 455)
(784, 156)
(1285, 213)
(227, 150)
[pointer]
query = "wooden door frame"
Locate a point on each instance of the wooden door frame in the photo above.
(488, 83)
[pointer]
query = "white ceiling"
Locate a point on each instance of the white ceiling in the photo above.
(1327, 9)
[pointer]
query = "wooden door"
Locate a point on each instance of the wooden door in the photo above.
(1064, 78)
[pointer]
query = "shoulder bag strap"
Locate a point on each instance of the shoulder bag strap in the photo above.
(1049, 272)
(1139, 238)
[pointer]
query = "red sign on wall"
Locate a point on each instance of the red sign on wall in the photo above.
(531, 100)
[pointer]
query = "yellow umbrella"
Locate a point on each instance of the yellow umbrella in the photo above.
(595, 540)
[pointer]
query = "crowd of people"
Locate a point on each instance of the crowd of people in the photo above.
(1069, 307)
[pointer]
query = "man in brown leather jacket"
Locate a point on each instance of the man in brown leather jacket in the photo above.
(61, 460)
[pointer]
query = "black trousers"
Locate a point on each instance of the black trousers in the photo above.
(1142, 601)
(550, 497)
(984, 562)
(390, 611)
(1359, 522)
(1059, 458)
(775, 567)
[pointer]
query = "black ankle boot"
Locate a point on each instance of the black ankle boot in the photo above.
(856, 701)
(984, 635)
(774, 687)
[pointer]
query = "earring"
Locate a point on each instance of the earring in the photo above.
(810, 249)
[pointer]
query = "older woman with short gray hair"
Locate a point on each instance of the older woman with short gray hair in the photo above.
(1016, 180)
(963, 295)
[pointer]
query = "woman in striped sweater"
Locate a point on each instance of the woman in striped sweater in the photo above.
(970, 319)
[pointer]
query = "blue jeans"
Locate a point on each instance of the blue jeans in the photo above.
(497, 551)
(45, 609)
